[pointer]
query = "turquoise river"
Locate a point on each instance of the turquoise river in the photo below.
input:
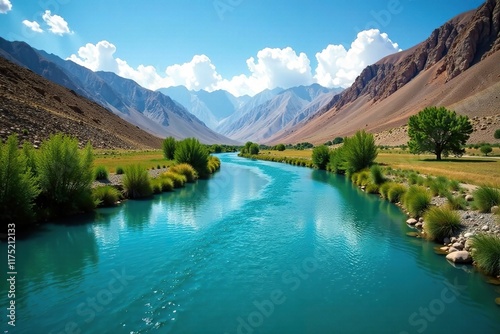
(259, 248)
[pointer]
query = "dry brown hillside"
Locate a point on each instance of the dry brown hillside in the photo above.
(458, 67)
(35, 108)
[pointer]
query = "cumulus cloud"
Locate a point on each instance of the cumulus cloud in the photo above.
(337, 67)
(5, 6)
(57, 24)
(33, 25)
(340, 67)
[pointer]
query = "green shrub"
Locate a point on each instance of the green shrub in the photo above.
(156, 186)
(439, 186)
(169, 146)
(178, 179)
(486, 253)
(106, 195)
(376, 175)
(65, 175)
(213, 164)
(456, 202)
(166, 184)
(441, 222)
(187, 170)
(136, 182)
(359, 151)
(416, 200)
(454, 185)
(412, 178)
(486, 197)
(372, 188)
(321, 156)
(384, 189)
(280, 147)
(363, 178)
(101, 173)
(119, 170)
(395, 192)
(485, 149)
(336, 164)
(192, 152)
(18, 185)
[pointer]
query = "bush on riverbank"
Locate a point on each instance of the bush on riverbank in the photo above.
(101, 173)
(106, 196)
(416, 200)
(486, 253)
(65, 176)
(187, 170)
(357, 153)
(396, 192)
(136, 182)
(376, 175)
(192, 152)
(19, 186)
(486, 197)
(441, 222)
(213, 164)
(321, 156)
(178, 179)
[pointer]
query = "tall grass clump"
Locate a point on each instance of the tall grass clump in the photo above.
(106, 195)
(169, 146)
(456, 202)
(101, 173)
(166, 184)
(412, 178)
(441, 222)
(321, 156)
(376, 175)
(18, 185)
(417, 200)
(454, 185)
(120, 170)
(187, 170)
(136, 182)
(396, 192)
(372, 188)
(192, 152)
(486, 253)
(178, 179)
(384, 189)
(359, 151)
(486, 197)
(439, 186)
(213, 164)
(65, 175)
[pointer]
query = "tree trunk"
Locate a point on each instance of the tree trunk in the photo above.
(438, 155)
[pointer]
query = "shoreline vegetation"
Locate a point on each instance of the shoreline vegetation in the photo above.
(462, 219)
(60, 180)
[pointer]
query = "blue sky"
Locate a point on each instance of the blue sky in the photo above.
(242, 46)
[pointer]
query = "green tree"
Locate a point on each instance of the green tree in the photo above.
(438, 131)
(169, 145)
(18, 185)
(192, 152)
(497, 134)
(485, 149)
(280, 147)
(65, 175)
(359, 151)
(321, 156)
(216, 148)
(338, 140)
(254, 149)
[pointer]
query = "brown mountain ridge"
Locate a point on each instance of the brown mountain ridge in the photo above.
(458, 67)
(35, 108)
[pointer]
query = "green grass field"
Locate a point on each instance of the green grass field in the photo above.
(472, 170)
(113, 159)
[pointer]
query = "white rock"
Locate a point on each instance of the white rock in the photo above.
(411, 221)
(469, 198)
(419, 225)
(495, 209)
(458, 245)
(421, 220)
(452, 250)
(453, 239)
(485, 228)
(459, 257)
(468, 235)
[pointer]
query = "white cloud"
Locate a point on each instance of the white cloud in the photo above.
(340, 67)
(33, 25)
(56, 23)
(5, 6)
(337, 67)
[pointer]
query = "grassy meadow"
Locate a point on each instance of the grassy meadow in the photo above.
(113, 159)
(477, 170)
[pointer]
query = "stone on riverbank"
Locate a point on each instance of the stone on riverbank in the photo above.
(459, 257)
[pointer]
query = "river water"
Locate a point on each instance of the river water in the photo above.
(259, 248)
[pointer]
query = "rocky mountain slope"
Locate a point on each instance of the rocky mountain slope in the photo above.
(458, 67)
(34, 108)
(149, 110)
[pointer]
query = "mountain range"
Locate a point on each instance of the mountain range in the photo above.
(457, 67)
